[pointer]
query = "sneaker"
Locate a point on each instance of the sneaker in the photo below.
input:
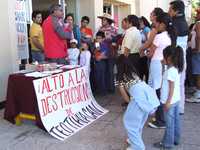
(160, 145)
(197, 94)
(155, 125)
(197, 100)
(190, 100)
(193, 100)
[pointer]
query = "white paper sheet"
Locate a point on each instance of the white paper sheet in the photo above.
(70, 66)
(42, 74)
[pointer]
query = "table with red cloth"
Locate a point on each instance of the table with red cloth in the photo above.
(21, 98)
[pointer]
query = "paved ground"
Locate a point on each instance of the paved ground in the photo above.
(107, 133)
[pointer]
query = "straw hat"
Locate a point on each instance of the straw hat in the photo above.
(107, 16)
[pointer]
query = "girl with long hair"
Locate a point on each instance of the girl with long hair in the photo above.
(170, 96)
(166, 37)
(142, 102)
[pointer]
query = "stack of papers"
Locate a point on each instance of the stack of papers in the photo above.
(37, 74)
(70, 66)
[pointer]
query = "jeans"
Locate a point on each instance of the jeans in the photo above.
(37, 56)
(100, 71)
(172, 131)
(160, 119)
(134, 120)
(155, 74)
(182, 88)
(109, 77)
(182, 42)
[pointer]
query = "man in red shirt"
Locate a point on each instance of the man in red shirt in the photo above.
(55, 36)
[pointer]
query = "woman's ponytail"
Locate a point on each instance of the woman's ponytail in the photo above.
(172, 33)
(179, 58)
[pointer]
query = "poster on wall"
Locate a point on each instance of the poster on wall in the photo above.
(21, 28)
(66, 103)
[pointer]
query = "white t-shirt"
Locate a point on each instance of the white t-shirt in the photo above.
(132, 40)
(161, 41)
(171, 74)
(85, 57)
(73, 54)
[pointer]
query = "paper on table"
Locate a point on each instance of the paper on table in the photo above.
(24, 71)
(42, 74)
(36, 74)
(70, 66)
(52, 71)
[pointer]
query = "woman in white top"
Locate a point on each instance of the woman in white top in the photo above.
(165, 37)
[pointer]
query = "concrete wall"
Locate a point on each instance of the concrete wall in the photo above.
(91, 8)
(8, 50)
(71, 7)
(124, 11)
(144, 7)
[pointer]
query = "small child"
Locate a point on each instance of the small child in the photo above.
(170, 96)
(85, 56)
(100, 56)
(73, 52)
(142, 102)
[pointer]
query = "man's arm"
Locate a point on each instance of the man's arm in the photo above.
(124, 94)
(126, 51)
(149, 42)
(170, 95)
(59, 28)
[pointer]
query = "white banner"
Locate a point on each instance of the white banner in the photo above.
(21, 27)
(66, 103)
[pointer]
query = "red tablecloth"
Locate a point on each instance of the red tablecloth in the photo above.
(21, 97)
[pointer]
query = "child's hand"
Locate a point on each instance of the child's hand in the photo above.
(167, 106)
(126, 52)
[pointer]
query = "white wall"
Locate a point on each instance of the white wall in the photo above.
(146, 6)
(8, 50)
(124, 11)
(92, 9)
(43, 4)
